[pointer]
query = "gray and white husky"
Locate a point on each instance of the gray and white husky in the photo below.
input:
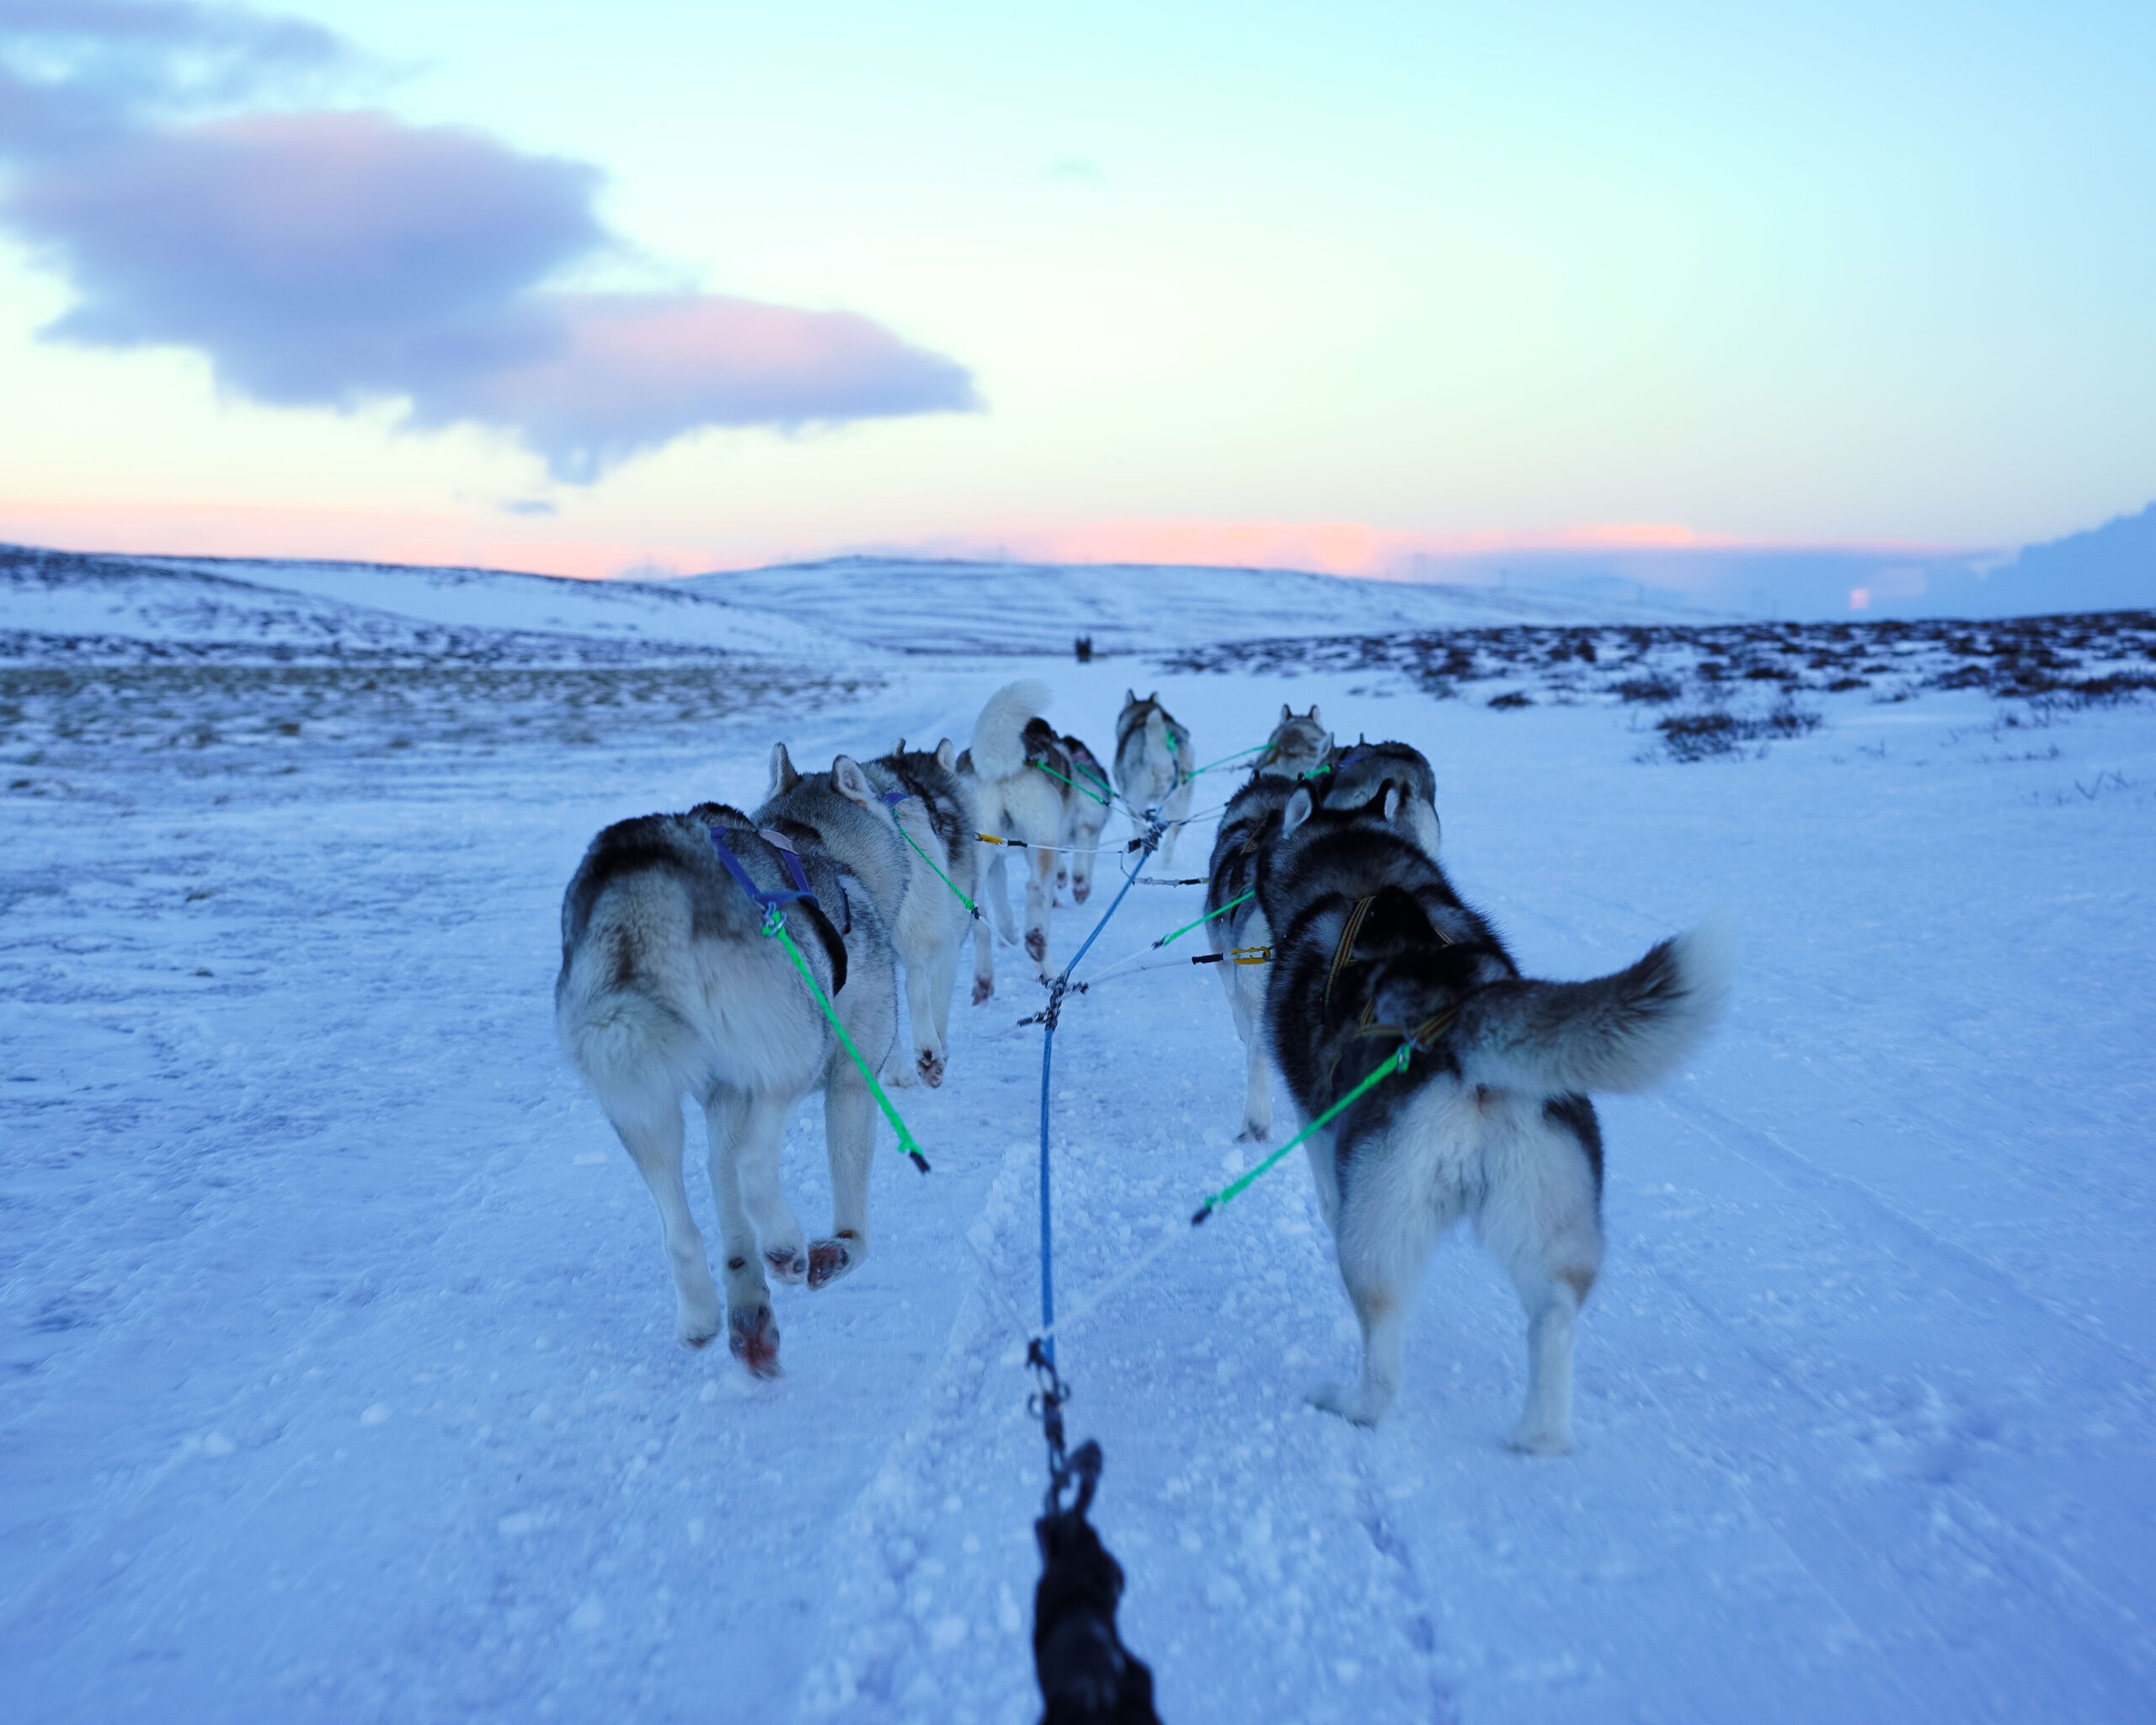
(1008, 768)
(1353, 776)
(1086, 808)
(1153, 764)
(1490, 1119)
(935, 809)
(669, 987)
(1243, 937)
(847, 814)
(1299, 744)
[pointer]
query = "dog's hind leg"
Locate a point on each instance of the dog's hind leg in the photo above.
(786, 1249)
(1258, 1069)
(651, 1132)
(1081, 864)
(1542, 1223)
(943, 979)
(928, 1047)
(1382, 1232)
(754, 1335)
(1039, 894)
(984, 963)
(850, 1139)
(996, 882)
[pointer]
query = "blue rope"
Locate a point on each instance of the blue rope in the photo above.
(1047, 1059)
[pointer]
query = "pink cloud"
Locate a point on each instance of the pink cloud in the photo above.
(333, 259)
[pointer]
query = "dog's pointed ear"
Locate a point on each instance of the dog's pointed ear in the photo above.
(853, 782)
(901, 748)
(1388, 801)
(1129, 698)
(947, 755)
(1312, 713)
(1297, 811)
(1155, 697)
(784, 778)
(1287, 713)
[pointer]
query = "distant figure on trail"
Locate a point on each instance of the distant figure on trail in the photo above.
(1083, 648)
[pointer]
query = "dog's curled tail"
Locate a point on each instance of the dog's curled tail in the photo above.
(999, 740)
(1624, 1031)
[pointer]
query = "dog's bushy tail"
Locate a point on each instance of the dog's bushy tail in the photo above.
(1624, 1031)
(999, 740)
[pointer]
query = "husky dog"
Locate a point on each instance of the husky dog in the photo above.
(840, 811)
(1086, 806)
(934, 811)
(1243, 938)
(670, 986)
(1153, 764)
(1298, 745)
(1353, 776)
(1490, 1119)
(1012, 769)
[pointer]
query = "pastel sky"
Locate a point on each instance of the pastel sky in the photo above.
(693, 285)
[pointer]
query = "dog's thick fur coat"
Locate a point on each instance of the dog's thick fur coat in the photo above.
(668, 986)
(1491, 1120)
(1154, 765)
(1008, 766)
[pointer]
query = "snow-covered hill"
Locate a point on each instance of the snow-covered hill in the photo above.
(927, 606)
(70, 605)
(2110, 567)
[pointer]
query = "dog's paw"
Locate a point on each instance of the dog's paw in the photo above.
(1037, 945)
(789, 1263)
(897, 1076)
(752, 1335)
(983, 992)
(1539, 1439)
(697, 1325)
(1082, 891)
(931, 1068)
(1254, 1133)
(1344, 1400)
(829, 1259)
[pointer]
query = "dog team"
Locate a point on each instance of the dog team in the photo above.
(1345, 941)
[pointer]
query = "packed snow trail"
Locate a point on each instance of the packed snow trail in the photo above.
(341, 1377)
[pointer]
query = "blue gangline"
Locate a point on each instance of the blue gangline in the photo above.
(1047, 1055)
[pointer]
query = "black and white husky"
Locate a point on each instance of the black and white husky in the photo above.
(669, 987)
(935, 810)
(1011, 768)
(1241, 935)
(1354, 775)
(1086, 808)
(1153, 764)
(1299, 744)
(1491, 1120)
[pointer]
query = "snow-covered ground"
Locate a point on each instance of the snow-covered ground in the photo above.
(339, 1346)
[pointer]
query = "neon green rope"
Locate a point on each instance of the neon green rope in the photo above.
(972, 908)
(1397, 1062)
(1208, 918)
(775, 924)
(1226, 759)
(1073, 783)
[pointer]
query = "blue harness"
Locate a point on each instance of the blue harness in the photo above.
(768, 901)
